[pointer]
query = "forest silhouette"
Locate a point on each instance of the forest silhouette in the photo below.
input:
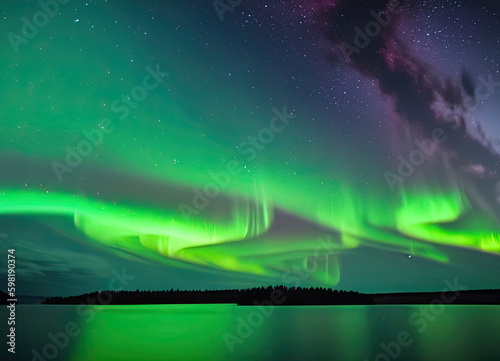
(277, 295)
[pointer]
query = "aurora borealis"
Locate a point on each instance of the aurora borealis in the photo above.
(348, 144)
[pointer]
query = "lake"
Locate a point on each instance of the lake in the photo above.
(230, 332)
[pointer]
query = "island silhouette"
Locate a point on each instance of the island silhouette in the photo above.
(277, 295)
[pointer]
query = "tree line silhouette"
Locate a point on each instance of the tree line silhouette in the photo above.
(278, 295)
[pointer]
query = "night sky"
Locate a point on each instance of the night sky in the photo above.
(199, 145)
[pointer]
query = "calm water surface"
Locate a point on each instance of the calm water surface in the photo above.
(229, 332)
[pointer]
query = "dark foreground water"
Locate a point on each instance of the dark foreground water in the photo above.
(229, 332)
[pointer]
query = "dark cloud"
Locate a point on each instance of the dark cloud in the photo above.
(40, 264)
(468, 85)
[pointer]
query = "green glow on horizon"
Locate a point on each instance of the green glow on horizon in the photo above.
(235, 238)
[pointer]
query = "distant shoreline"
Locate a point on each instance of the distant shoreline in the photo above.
(278, 296)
